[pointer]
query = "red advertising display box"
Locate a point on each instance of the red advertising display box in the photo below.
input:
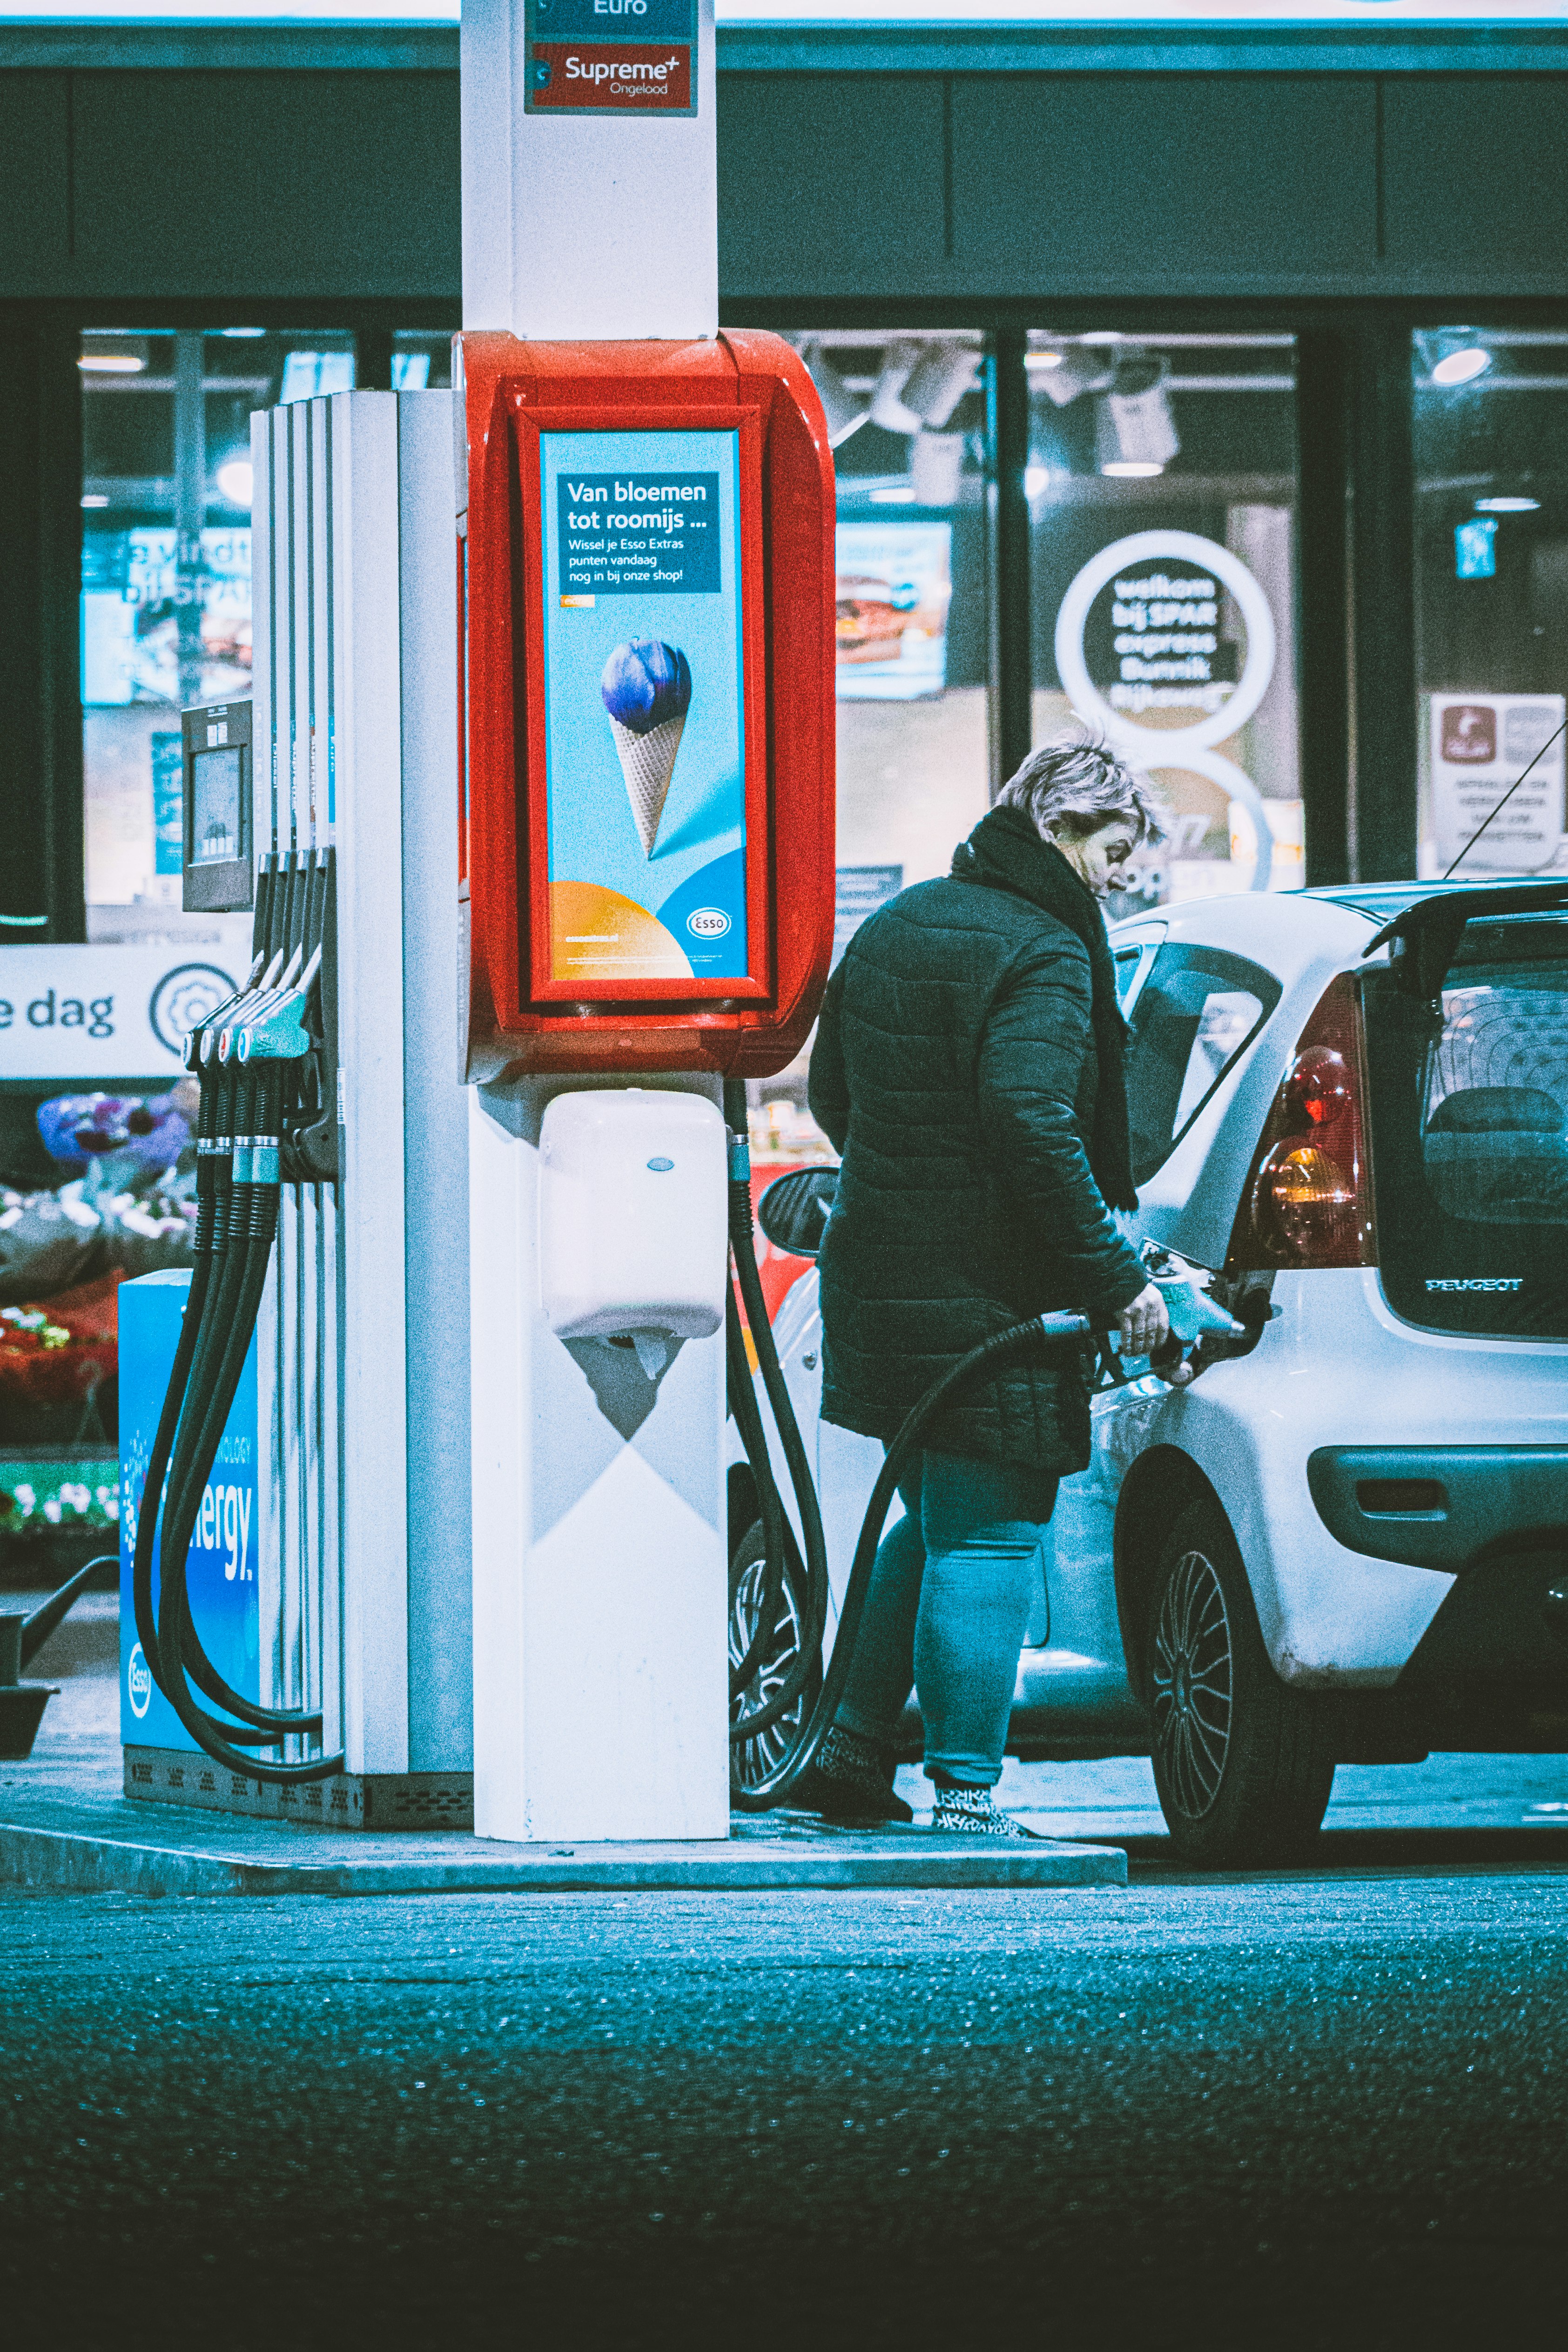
(646, 613)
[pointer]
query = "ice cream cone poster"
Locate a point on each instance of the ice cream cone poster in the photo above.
(647, 691)
(644, 707)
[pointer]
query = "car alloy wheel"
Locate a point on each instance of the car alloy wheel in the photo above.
(1243, 1764)
(751, 1761)
(1192, 1680)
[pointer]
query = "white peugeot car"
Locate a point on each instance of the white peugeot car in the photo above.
(1342, 1541)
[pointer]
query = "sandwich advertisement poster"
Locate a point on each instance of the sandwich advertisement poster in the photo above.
(644, 710)
(896, 582)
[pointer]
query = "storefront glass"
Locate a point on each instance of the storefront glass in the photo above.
(96, 1161)
(422, 360)
(165, 581)
(1163, 484)
(906, 414)
(1492, 596)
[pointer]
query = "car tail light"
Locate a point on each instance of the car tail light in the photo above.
(1308, 1196)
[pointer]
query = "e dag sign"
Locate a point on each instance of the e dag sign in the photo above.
(102, 1011)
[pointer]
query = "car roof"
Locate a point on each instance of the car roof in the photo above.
(1381, 901)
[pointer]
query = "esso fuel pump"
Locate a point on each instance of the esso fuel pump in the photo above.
(646, 575)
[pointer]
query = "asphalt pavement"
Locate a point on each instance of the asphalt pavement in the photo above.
(1317, 2107)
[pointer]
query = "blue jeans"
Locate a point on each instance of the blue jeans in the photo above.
(948, 1606)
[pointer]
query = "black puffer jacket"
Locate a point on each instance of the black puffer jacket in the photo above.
(956, 1071)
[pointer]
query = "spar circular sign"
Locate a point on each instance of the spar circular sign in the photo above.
(1140, 632)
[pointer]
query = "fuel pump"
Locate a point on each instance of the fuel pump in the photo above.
(646, 544)
(315, 1387)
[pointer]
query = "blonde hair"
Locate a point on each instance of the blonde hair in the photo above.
(1081, 783)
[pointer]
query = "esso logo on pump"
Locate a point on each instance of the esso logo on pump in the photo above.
(139, 1683)
(650, 589)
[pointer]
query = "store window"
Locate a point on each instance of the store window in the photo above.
(1490, 411)
(165, 580)
(906, 416)
(1162, 481)
(422, 360)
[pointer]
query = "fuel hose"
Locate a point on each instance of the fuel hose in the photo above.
(249, 1054)
(1037, 1339)
(212, 1151)
(1041, 1336)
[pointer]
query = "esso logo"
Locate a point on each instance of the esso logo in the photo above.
(707, 923)
(138, 1682)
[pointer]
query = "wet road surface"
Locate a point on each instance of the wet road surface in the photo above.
(1319, 2107)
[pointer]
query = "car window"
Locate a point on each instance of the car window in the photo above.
(1194, 1015)
(1469, 1133)
(1133, 955)
(1127, 962)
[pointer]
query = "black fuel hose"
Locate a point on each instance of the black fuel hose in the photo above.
(778, 1536)
(1041, 1335)
(242, 1111)
(209, 1243)
(817, 1588)
(254, 1225)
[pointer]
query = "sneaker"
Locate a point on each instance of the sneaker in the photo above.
(851, 1782)
(975, 1813)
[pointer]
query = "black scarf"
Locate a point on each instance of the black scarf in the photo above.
(1005, 852)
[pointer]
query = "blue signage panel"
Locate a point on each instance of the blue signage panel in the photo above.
(623, 20)
(220, 1571)
(644, 707)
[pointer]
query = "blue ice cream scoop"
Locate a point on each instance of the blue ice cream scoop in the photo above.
(645, 684)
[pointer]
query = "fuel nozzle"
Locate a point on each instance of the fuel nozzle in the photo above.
(275, 1030)
(1191, 1310)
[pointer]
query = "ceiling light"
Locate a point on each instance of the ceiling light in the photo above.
(1036, 481)
(94, 499)
(1461, 366)
(1076, 371)
(1135, 432)
(111, 363)
(938, 380)
(896, 494)
(1507, 506)
(1102, 335)
(936, 467)
(241, 334)
(887, 407)
(236, 481)
(1042, 360)
(844, 411)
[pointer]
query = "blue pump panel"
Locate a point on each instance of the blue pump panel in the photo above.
(221, 1571)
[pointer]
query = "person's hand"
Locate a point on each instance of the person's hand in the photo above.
(1144, 1323)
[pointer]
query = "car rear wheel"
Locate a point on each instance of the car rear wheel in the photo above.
(1241, 1762)
(751, 1761)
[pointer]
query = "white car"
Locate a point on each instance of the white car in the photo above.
(1339, 1544)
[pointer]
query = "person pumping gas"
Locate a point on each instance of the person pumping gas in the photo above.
(968, 1069)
